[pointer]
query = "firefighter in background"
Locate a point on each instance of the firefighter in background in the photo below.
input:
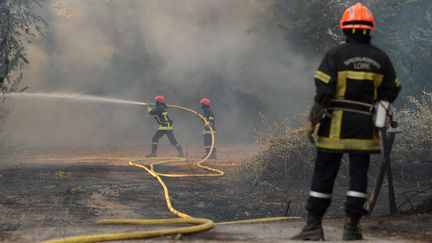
(208, 114)
(351, 78)
(160, 113)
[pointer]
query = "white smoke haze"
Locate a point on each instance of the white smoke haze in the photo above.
(136, 49)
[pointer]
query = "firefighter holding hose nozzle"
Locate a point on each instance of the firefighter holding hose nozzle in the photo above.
(352, 78)
(207, 134)
(160, 113)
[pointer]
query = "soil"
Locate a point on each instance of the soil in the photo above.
(47, 193)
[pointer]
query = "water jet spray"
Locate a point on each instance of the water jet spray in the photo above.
(73, 97)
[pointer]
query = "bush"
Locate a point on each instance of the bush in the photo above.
(412, 155)
(285, 162)
(414, 145)
(286, 157)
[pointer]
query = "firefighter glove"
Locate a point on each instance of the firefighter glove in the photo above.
(317, 113)
(310, 131)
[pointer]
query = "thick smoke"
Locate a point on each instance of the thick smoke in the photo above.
(136, 49)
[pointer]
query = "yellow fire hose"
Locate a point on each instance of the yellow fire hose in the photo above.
(199, 224)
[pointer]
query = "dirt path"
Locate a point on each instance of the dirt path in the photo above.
(60, 192)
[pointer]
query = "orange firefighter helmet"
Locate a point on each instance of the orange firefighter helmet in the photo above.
(357, 16)
(160, 99)
(205, 101)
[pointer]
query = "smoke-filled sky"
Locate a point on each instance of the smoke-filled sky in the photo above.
(136, 49)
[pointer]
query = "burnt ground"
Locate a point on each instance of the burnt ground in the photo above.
(46, 193)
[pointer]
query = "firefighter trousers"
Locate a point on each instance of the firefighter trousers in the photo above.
(171, 138)
(208, 143)
(325, 173)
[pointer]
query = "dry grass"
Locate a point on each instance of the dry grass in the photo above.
(415, 143)
(412, 155)
(286, 158)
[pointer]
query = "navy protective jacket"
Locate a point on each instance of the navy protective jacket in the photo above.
(350, 79)
(160, 114)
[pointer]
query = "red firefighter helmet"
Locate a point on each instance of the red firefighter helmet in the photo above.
(205, 101)
(160, 99)
(357, 16)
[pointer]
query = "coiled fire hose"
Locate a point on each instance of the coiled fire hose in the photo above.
(199, 224)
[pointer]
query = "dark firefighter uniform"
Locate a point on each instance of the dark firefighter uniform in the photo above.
(207, 134)
(350, 79)
(160, 113)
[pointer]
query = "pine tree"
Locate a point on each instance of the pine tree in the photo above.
(404, 31)
(19, 23)
(312, 24)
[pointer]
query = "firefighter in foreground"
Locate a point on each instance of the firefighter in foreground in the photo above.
(350, 80)
(160, 112)
(208, 114)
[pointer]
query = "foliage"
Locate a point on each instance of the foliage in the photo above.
(404, 31)
(285, 163)
(312, 24)
(415, 143)
(284, 149)
(19, 22)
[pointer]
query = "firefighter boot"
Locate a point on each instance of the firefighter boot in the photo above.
(180, 151)
(312, 230)
(213, 155)
(352, 229)
(153, 152)
(207, 150)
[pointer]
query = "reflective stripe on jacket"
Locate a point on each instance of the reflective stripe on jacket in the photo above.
(357, 72)
(208, 114)
(160, 114)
